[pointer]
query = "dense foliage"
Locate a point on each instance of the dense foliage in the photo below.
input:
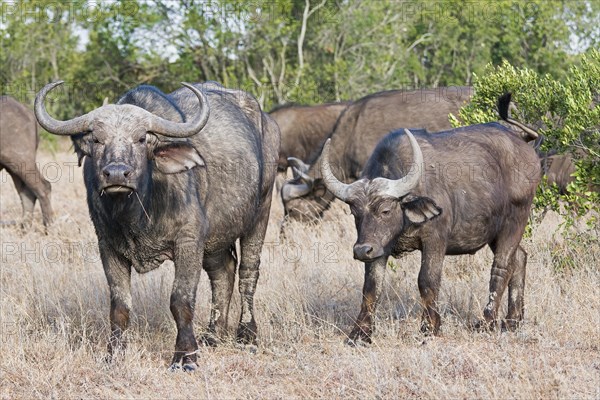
(566, 112)
(305, 51)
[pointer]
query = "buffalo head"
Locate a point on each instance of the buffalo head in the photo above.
(122, 141)
(304, 197)
(383, 208)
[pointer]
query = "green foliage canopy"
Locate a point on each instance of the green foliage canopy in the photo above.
(304, 51)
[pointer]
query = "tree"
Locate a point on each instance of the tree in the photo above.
(305, 51)
(390, 45)
(37, 43)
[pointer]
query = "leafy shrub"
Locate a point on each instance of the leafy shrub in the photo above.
(566, 112)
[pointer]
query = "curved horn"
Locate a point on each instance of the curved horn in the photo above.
(186, 129)
(531, 134)
(299, 169)
(401, 187)
(70, 127)
(339, 189)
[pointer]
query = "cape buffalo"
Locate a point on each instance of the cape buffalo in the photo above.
(18, 144)
(178, 177)
(355, 135)
(446, 193)
(304, 128)
(559, 169)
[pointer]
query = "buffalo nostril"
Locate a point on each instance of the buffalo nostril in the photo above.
(363, 251)
(117, 171)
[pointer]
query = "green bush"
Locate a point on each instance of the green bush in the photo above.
(566, 112)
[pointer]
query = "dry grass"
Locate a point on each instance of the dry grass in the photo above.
(54, 320)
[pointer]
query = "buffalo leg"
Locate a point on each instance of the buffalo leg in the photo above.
(41, 189)
(118, 275)
(372, 288)
(188, 255)
(221, 273)
(502, 270)
(251, 248)
(516, 289)
(429, 280)
(27, 200)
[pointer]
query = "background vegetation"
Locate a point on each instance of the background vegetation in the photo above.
(304, 51)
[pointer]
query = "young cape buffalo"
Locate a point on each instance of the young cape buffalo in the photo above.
(357, 131)
(446, 193)
(178, 177)
(18, 144)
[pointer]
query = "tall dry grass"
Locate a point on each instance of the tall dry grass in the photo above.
(54, 319)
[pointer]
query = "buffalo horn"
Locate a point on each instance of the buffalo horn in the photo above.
(339, 189)
(70, 127)
(156, 124)
(186, 129)
(401, 187)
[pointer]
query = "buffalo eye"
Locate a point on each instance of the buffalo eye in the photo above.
(96, 140)
(142, 140)
(385, 211)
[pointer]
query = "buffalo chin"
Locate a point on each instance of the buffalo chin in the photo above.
(117, 189)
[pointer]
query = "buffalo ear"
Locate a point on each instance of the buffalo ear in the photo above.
(419, 210)
(173, 158)
(82, 145)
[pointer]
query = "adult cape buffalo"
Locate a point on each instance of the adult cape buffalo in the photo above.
(357, 131)
(178, 177)
(18, 145)
(304, 128)
(446, 193)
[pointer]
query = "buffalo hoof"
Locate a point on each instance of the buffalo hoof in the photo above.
(246, 333)
(510, 325)
(188, 366)
(209, 340)
(250, 348)
(116, 352)
(483, 325)
(359, 337)
(358, 342)
(428, 329)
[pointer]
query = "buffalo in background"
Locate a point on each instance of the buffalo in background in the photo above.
(19, 141)
(357, 131)
(446, 193)
(304, 128)
(558, 169)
